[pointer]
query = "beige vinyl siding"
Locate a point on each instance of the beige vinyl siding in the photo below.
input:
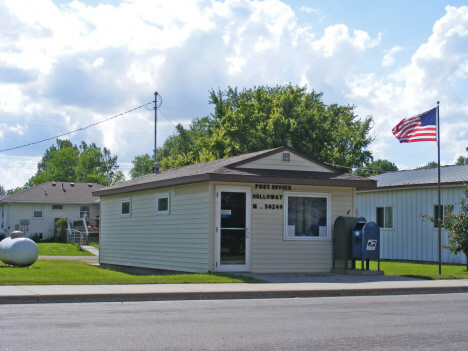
(271, 253)
(175, 241)
(275, 161)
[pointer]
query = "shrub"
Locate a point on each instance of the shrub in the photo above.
(61, 230)
(36, 238)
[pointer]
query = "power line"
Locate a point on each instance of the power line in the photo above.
(74, 131)
(363, 169)
(166, 118)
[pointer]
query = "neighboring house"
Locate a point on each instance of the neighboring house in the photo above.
(267, 211)
(398, 201)
(35, 210)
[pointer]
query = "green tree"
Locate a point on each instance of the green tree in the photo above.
(267, 117)
(65, 162)
(2, 190)
(16, 190)
(458, 226)
(462, 161)
(141, 165)
(429, 165)
(376, 167)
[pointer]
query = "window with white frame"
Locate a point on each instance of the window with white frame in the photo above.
(37, 211)
(57, 207)
(162, 204)
(306, 216)
(384, 217)
(84, 212)
(125, 208)
(446, 209)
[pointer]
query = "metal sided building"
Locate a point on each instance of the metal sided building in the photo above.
(267, 211)
(398, 201)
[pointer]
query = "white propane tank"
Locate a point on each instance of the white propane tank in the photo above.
(21, 252)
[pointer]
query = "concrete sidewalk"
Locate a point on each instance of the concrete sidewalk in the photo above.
(329, 285)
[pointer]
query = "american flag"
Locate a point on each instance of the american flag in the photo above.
(418, 128)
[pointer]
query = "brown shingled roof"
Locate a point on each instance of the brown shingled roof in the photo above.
(48, 193)
(224, 170)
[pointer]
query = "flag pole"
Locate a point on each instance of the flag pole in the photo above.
(439, 208)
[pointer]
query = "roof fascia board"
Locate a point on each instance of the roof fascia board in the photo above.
(293, 181)
(236, 179)
(154, 185)
(410, 186)
(279, 150)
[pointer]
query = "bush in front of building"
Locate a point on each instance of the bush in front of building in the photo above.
(60, 234)
(36, 238)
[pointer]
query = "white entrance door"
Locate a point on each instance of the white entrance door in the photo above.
(233, 229)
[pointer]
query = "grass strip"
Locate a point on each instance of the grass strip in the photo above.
(58, 249)
(419, 270)
(77, 273)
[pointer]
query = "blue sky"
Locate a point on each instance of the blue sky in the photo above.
(65, 65)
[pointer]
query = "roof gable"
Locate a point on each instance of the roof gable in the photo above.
(294, 162)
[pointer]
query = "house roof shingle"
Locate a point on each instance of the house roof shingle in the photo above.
(49, 193)
(224, 170)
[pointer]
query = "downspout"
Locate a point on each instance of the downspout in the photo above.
(6, 225)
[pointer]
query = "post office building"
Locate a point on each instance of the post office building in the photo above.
(267, 211)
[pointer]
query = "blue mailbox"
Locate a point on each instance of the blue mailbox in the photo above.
(365, 242)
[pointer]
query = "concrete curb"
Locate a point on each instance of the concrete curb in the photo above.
(222, 295)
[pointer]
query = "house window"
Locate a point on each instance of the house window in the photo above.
(37, 211)
(286, 157)
(384, 217)
(84, 212)
(162, 204)
(57, 207)
(306, 216)
(125, 208)
(446, 209)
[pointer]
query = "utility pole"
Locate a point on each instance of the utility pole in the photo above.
(157, 103)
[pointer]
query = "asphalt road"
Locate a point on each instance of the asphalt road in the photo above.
(410, 322)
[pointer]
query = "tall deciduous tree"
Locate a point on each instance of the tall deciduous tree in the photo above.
(141, 165)
(376, 167)
(267, 117)
(432, 164)
(462, 161)
(65, 162)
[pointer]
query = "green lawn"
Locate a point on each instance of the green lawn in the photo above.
(76, 273)
(424, 271)
(57, 249)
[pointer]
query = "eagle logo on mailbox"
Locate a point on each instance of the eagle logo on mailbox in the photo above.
(371, 245)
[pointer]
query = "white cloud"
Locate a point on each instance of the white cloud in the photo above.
(310, 10)
(389, 57)
(435, 69)
(92, 62)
